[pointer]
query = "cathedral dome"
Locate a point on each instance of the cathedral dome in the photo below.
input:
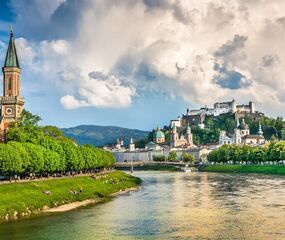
(158, 134)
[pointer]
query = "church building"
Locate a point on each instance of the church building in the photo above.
(182, 140)
(11, 102)
(242, 136)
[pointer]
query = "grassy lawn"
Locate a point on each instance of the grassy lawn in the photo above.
(278, 170)
(29, 196)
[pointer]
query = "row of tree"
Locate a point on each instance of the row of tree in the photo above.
(275, 151)
(172, 157)
(51, 157)
(44, 150)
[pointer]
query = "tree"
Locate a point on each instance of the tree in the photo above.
(52, 162)
(186, 157)
(25, 156)
(90, 160)
(213, 156)
(172, 156)
(37, 161)
(26, 129)
(54, 145)
(52, 131)
(10, 160)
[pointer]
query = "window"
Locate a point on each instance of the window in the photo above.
(10, 84)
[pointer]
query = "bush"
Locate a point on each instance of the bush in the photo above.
(158, 158)
(172, 156)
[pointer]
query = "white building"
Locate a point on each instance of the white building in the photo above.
(143, 155)
(175, 122)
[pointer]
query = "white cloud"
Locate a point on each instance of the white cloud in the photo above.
(70, 102)
(170, 47)
(100, 90)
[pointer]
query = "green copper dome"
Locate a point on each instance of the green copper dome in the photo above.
(11, 59)
(158, 134)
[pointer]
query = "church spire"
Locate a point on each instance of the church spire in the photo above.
(260, 132)
(11, 59)
(238, 124)
(188, 130)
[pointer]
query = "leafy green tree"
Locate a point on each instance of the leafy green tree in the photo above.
(25, 156)
(258, 154)
(37, 160)
(52, 131)
(52, 161)
(10, 160)
(26, 129)
(187, 157)
(172, 156)
(89, 157)
(213, 156)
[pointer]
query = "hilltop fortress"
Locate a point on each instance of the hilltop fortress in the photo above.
(224, 107)
(196, 117)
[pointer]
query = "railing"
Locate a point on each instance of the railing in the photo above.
(12, 99)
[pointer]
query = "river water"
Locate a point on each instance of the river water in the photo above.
(171, 206)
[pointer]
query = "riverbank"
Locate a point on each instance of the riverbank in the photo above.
(23, 199)
(274, 170)
(154, 167)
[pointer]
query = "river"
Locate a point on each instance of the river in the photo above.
(171, 206)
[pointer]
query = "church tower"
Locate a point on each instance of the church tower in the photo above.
(189, 136)
(174, 137)
(132, 146)
(11, 101)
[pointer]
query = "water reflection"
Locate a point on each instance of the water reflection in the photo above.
(172, 206)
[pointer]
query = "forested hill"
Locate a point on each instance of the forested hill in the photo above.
(273, 128)
(102, 135)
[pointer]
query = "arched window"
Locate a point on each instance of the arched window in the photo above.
(10, 84)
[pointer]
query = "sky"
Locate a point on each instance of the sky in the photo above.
(141, 63)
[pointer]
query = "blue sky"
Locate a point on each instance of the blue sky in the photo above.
(140, 63)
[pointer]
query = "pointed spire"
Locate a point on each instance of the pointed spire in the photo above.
(238, 124)
(11, 59)
(132, 141)
(174, 130)
(260, 132)
(188, 131)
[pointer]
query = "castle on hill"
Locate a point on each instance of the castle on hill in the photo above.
(196, 117)
(11, 102)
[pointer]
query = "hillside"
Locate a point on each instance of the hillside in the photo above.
(102, 135)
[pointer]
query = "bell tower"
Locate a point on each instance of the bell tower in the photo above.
(11, 101)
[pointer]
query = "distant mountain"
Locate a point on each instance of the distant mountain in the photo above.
(102, 135)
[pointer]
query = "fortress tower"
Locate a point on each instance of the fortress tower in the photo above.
(11, 102)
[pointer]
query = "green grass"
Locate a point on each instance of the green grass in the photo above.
(159, 168)
(277, 170)
(29, 196)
